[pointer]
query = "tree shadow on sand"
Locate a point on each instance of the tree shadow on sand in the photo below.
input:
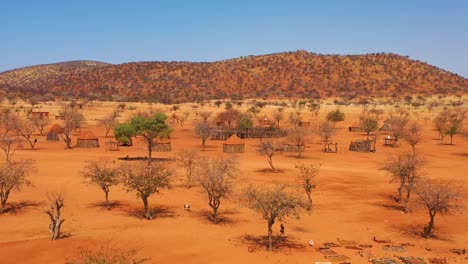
(225, 217)
(103, 205)
(280, 243)
(21, 207)
(391, 202)
(416, 231)
(139, 158)
(159, 211)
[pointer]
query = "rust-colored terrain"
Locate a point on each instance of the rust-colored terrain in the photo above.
(281, 75)
(352, 201)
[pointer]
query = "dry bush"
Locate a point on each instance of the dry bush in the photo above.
(146, 179)
(268, 147)
(188, 160)
(102, 173)
(14, 175)
(203, 130)
(107, 255)
(305, 178)
(56, 201)
(215, 176)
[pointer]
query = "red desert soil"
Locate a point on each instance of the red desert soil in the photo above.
(351, 202)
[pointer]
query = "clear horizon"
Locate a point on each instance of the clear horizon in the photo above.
(118, 32)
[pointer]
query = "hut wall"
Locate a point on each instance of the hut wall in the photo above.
(87, 143)
(361, 145)
(237, 148)
(52, 136)
(162, 147)
(355, 129)
(293, 148)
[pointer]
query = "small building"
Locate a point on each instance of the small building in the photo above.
(304, 123)
(87, 139)
(362, 146)
(41, 115)
(234, 145)
(54, 132)
(293, 148)
(355, 127)
(162, 145)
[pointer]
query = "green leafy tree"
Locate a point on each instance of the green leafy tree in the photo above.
(150, 128)
(244, 122)
(124, 133)
(335, 116)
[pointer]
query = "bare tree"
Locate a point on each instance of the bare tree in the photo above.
(405, 168)
(413, 135)
(325, 130)
(8, 137)
(275, 203)
(398, 124)
(203, 130)
(278, 115)
(437, 198)
(25, 128)
(109, 122)
(56, 201)
(295, 118)
(73, 120)
(299, 136)
(268, 147)
(215, 176)
(229, 118)
(307, 174)
(14, 175)
(188, 159)
(40, 123)
(146, 179)
(102, 173)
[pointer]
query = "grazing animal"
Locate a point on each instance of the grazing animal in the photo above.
(187, 207)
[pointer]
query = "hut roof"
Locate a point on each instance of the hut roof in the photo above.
(355, 124)
(87, 135)
(56, 128)
(234, 140)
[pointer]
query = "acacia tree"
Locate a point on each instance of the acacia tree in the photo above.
(73, 120)
(203, 130)
(335, 116)
(299, 136)
(229, 118)
(215, 176)
(103, 174)
(325, 130)
(8, 138)
(437, 198)
(25, 128)
(398, 124)
(278, 115)
(151, 128)
(413, 135)
(14, 175)
(146, 179)
(109, 122)
(188, 159)
(268, 148)
(56, 201)
(124, 133)
(369, 125)
(40, 123)
(405, 168)
(273, 203)
(306, 176)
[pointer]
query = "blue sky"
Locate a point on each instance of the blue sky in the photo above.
(37, 32)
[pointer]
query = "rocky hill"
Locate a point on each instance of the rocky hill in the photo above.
(289, 74)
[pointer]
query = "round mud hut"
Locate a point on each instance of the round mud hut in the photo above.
(54, 131)
(87, 139)
(234, 145)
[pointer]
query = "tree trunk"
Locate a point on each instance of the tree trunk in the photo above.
(428, 229)
(309, 198)
(55, 229)
(3, 208)
(400, 191)
(203, 144)
(150, 150)
(270, 235)
(451, 139)
(31, 143)
(107, 200)
(407, 202)
(147, 210)
(413, 147)
(270, 161)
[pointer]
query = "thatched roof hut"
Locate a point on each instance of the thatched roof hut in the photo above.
(233, 145)
(355, 127)
(53, 133)
(87, 139)
(162, 145)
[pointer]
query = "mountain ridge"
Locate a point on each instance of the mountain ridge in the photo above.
(286, 74)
